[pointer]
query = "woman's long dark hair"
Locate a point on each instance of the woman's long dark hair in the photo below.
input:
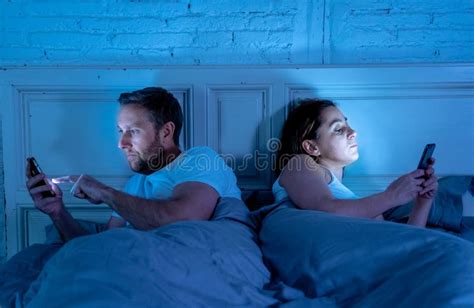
(302, 124)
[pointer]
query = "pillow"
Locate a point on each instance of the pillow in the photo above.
(447, 210)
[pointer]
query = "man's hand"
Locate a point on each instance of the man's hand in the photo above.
(49, 205)
(85, 187)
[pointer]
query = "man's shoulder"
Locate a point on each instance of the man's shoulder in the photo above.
(200, 150)
(136, 177)
(135, 180)
(201, 158)
(201, 154)
(203, 164)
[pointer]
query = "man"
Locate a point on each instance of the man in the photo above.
(182, 259)
(169, 186)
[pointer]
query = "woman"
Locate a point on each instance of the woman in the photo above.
(317, 143)
(348, 261)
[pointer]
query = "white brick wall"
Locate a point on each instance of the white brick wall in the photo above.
(235, 32)
(406, 31)
(162, 32)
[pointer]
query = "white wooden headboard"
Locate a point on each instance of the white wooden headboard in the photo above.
(65, 117)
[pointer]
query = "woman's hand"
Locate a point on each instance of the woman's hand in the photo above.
(405, 188)
(423, 202)
(430, 185)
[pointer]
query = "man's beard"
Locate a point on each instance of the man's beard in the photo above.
(151, 160)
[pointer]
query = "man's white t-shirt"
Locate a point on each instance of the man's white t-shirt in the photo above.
(199, 164)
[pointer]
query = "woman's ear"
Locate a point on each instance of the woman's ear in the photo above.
(310, 148)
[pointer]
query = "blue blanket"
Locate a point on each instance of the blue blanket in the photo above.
(205, 263)
(199, 263)
(316, 259)
(367, 263)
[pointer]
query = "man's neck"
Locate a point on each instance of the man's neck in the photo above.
(171, 155)
(167, 158)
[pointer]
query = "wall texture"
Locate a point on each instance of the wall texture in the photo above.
(400, 31)
(2, 201)
(197, 32)
(200, 32)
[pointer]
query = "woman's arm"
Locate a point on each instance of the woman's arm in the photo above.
(306, 184)
(424, 201)
(420, 212)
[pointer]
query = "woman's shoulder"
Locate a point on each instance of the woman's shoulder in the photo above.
(303, 165)
(300, 160)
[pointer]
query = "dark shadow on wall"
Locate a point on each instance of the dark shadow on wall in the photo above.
(2, 202)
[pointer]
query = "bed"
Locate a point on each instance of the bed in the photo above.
(128, 267)
(354, 262)
(365, 263)
(346, 262)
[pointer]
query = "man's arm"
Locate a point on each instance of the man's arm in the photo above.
(115, 222)
(66, 225)
(189, 201)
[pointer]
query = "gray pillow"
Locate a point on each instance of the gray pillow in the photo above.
(447, 210)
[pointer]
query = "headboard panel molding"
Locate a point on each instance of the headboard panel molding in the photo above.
(65, 117)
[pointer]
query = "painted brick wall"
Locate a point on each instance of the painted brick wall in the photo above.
(402, 31)
(158, 32)
(235, 32)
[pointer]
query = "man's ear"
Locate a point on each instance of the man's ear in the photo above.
(167, 132)
(310, 147)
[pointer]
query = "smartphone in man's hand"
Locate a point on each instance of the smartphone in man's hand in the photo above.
(35, 170)
(425, 157)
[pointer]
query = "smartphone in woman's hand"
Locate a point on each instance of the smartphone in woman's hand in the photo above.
(425, 157)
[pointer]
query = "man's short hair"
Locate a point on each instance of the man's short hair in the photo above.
(161, 104)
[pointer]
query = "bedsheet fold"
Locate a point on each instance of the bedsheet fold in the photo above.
(367, 263)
